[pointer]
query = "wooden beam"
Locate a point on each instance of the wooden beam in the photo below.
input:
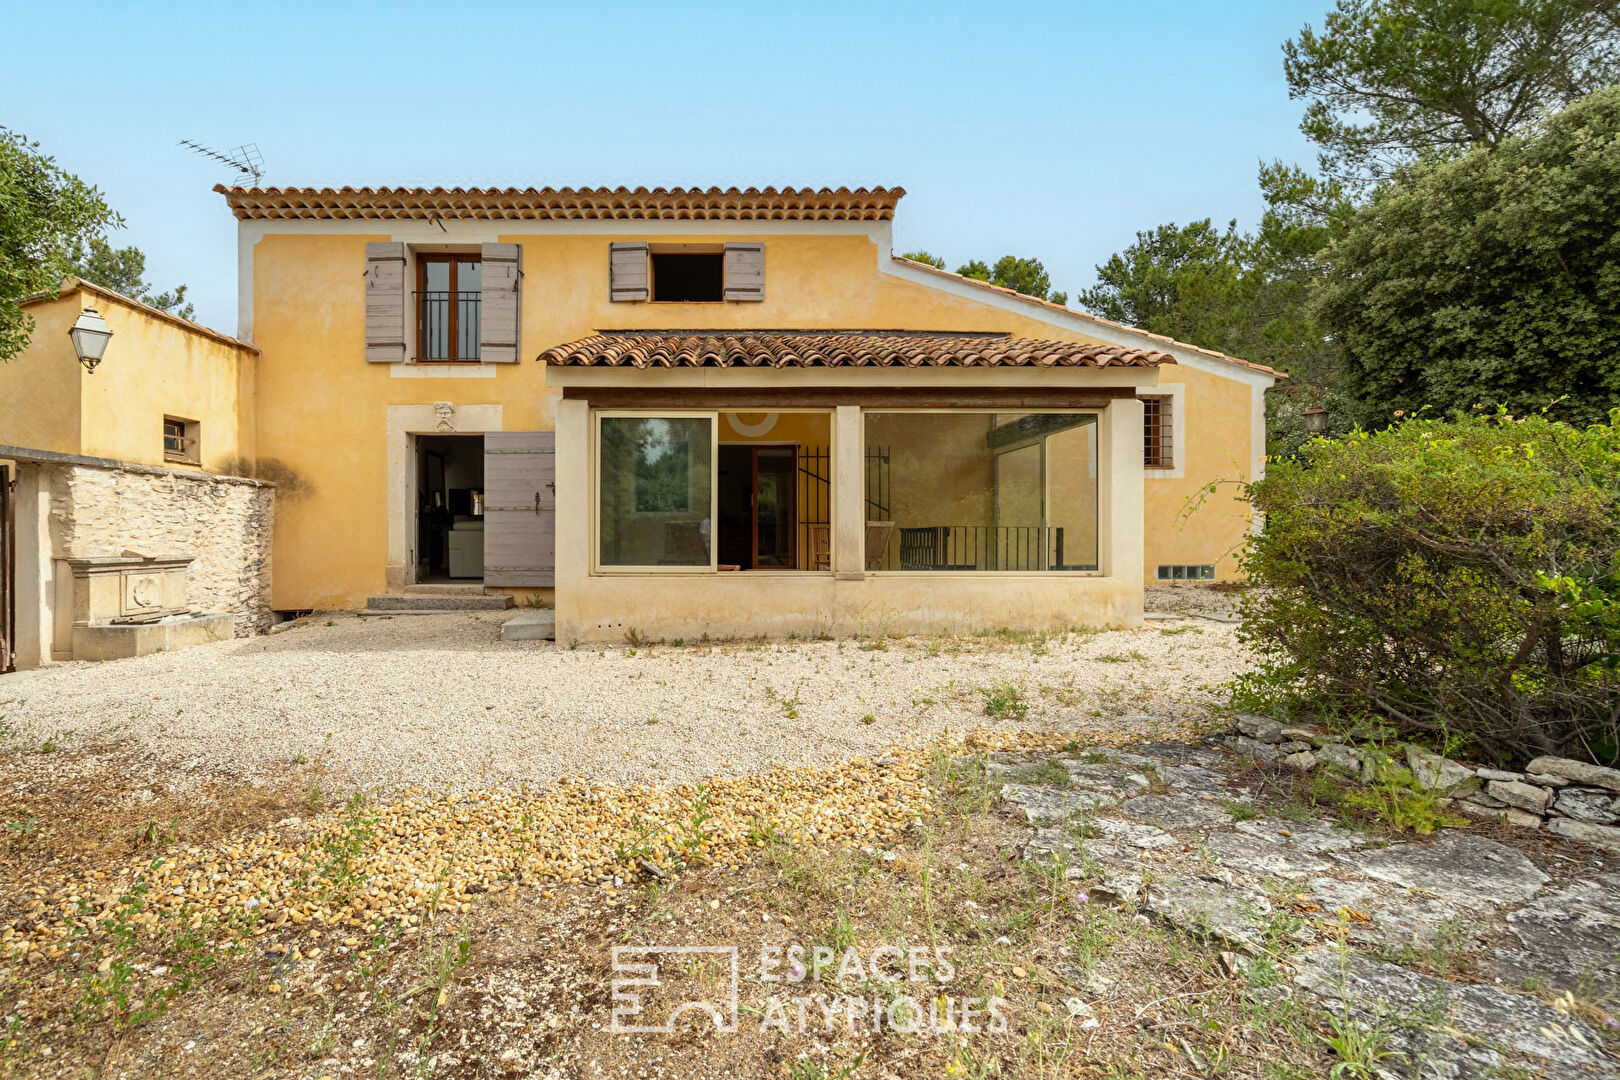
(784, 397)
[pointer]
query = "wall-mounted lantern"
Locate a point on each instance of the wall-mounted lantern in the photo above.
(90, 335)
(1316, 419)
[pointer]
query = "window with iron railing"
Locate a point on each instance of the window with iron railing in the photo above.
(1158, 431)
(449, 291)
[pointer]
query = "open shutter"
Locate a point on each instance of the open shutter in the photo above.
(501, 308)
(385, 303)
(520, 508)
(627, 272)
(745, 271)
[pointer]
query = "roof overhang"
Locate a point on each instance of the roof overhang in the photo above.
(838, 349)
(598, 203)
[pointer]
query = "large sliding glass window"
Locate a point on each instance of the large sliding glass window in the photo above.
(977, 491)
(656, 491)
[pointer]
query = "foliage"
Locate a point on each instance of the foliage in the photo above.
(924, 257)
(1393, 797)
(123, 270)
(1021, 275)
(1004, 700)
(44, 212)
(1388, 82)
(1493, 279)
(1452, 577)
(1175, 280)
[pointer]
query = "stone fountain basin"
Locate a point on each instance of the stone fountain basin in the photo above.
(116, 641)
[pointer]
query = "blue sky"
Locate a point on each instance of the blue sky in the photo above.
(1045, 129)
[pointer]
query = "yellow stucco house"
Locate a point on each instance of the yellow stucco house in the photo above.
(704, 411)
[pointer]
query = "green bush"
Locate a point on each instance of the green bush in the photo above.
(1454, 578)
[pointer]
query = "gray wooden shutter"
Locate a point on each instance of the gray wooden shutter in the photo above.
(500, 308)
(520, 508)
(385, 303)
(745, 271)
(627, 272)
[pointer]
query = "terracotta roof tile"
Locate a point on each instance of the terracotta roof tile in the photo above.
(667, 204)
(837, 348)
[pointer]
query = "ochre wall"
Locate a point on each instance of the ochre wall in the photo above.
(39, 388)
(1185, 523)
(153, 368)
(322, 409)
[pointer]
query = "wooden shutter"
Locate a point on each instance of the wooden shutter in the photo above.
(385, 303)
(520, 508)
(745, 271)
(627, 272)
(500, 308)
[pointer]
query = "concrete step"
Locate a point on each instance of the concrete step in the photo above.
(533, 624)
(445, 588)
(421, 602)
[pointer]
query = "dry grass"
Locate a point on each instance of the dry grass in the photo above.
(518, 984)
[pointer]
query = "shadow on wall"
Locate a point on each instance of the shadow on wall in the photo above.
(290, 484)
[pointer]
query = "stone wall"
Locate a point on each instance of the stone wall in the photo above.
(1574, 799)
(223, 522)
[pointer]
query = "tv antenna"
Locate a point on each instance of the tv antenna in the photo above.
(245, 160)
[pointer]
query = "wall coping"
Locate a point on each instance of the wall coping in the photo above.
(56, 457)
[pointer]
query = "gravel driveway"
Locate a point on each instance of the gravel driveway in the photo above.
(438, 700)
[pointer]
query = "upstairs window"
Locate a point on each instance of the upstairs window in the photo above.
(449, 292)
(1158, 429)
(686, 273)
(688, 277)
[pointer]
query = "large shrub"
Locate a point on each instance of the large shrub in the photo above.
(1453, 578)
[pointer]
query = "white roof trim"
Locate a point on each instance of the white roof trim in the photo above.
(1111, 333)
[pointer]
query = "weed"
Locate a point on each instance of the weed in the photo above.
(1394, 798)
(1240, 811)
(1004, 700)
(1359, 1047)
(1172, 631)
(869, 719)
(692, 831)
(806, 1069)
(1049, 773)
(343, 847)
(635, 639)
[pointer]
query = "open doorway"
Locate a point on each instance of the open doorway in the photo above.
(449, 508)
(775, 497)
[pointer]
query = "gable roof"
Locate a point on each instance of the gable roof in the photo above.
(620, 203)
(1087, 317)
(837, 348)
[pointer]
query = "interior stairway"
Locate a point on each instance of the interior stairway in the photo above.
(436, 600)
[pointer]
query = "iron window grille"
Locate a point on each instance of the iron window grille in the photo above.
(1158, 434)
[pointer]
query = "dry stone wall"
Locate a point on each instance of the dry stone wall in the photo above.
(1574, 799)
(222, 522)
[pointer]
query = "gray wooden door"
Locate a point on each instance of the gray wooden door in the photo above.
(520, 508)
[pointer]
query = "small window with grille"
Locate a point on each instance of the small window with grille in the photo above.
(1158, 443)
(180, 440)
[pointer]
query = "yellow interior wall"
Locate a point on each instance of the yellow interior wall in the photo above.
(322, 409)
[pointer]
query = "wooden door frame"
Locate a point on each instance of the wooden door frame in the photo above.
(753, 496)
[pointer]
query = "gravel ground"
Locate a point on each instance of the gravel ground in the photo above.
(439, 701)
